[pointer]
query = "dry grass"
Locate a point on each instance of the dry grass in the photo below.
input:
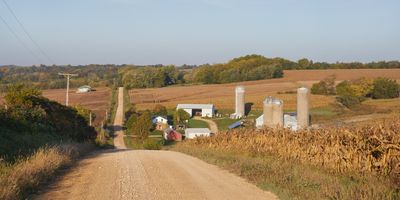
(23, 177)
(222, 95)
(370, 151)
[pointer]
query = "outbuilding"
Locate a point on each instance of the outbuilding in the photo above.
(203, 110)
(84, 89)
(191, 133)
(172, 135)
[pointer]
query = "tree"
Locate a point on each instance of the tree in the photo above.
(160, 110)
(85, 113)
(385, 88)
(181, 116)
(143, 125)
(304, 63)
(324, 87)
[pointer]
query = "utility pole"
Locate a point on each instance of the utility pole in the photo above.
(68, 77)
(90, 118)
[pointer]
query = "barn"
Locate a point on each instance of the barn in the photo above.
(172, 135)
(204, 110)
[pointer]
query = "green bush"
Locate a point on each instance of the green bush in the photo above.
(324, 87)
(151, 144)
(385, 89)
(349, 101)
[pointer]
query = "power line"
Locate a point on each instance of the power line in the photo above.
(19, 39)
(27, 33)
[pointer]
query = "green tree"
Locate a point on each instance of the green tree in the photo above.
(160, 110)
(143, 125)
(84, 112)
(324, 87)
(181, 116)
(385, 88)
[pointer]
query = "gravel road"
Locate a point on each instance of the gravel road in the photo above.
(139, 174)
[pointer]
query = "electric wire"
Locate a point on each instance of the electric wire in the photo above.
(27, 33)
(20, 40)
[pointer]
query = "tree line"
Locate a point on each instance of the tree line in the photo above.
(246, 68)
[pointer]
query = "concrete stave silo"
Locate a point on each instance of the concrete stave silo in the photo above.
(303, 115)
(240, 102)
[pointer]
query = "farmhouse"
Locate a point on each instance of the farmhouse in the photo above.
(172, 135)
(191, 133)
(161, 122)
(204, 110)
(84, 89)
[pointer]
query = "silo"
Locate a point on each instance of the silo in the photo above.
(239, 107)
(303, 120)
(277, 116)
(268, 112)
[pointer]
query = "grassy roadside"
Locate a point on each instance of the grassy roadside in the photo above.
(292, 180)
(26, 175)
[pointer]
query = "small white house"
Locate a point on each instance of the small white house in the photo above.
(84, 89)
(191, 133)
(160, 119)
(204, 110)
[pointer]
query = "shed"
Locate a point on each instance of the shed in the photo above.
(204, 110)
(191, 133)
(289, 121)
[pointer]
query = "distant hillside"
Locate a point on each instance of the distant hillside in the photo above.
(250, 67)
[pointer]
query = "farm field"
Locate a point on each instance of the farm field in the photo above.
(98, 101)
(222, 95)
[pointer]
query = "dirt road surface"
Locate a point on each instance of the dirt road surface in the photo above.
(118, 121)
(140, 174)
(211, 123)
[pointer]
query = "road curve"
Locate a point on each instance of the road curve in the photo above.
(119, 121)
(213, 126)
(140, 174)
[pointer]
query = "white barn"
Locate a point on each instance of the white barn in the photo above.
(204, 110)
(191, 133)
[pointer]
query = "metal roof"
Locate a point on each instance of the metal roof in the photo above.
(195, 106)
(235, 125)
(197, 130)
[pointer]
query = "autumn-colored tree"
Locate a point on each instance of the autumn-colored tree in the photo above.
(160, 110)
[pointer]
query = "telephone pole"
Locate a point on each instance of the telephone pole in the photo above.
(68, 77)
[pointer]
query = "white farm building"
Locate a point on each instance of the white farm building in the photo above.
(191, 133)
(289, 121)
(84, 89)
(204, 110)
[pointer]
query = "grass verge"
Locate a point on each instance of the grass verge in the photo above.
(22, 178)
(194, 123)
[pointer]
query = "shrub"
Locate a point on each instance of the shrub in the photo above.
(349, 101)
(150, 144)
(324, 87)
(385, 89)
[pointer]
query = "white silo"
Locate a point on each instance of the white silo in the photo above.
(268, 112)
(277, 116)
(303, 120)
(239, 107)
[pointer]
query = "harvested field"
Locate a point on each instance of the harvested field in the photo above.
(98, 101)
(222, 95)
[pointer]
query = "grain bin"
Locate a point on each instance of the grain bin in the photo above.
(268, 111)
(277, 113)
(303, 118)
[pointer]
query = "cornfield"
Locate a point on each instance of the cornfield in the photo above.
(372, 148)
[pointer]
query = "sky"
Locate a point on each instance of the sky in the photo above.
(198, 31)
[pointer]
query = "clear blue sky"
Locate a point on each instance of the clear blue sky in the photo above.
(201, 31)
